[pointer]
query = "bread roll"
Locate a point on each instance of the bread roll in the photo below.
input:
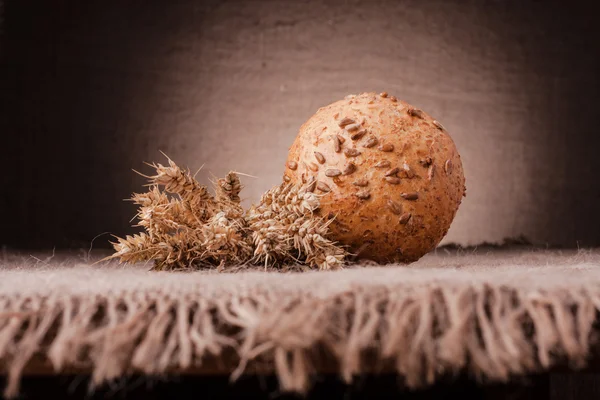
(390, 176)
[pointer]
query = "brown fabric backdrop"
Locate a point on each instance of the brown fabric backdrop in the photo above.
(91, 89)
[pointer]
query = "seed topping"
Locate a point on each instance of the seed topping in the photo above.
(320, 157)
(430, 172)
(387, 147)
(404, 218)
(448, 167)
(363, 194)
(351, 152)
(415, 112)
(345, 121)
(361, 182)
(407, 172)
(336, 143)
(352, 127)
(396, 208)
(310, 187)
(410, 196)
(371, 142)
(333, 172)
(383, 164)
(358, 135)
(438, 125)
(350, 168)
(426, 162)
(394, 180)
(293, 165)
(392, 171)
(323, 187)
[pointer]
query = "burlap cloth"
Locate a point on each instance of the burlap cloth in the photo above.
(491, 314)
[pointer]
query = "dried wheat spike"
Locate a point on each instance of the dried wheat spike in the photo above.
(176, 251)
(182, 250)
(227, 197)
(180, 182)
(153, 197)
(229, 187)
(180, 212)
(158, 214)
(268, 234)
(285, 229)
(189, 230)
(134, 248)
(310, 239)
(194, 229)
(225, 239)
(153, 206)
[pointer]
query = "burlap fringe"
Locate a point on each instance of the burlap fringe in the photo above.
(424, 332)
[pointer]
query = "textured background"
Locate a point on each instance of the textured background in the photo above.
(91, 89)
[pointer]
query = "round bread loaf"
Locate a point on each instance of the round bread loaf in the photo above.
(390, 175)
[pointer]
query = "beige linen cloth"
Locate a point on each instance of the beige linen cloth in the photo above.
(488, 313)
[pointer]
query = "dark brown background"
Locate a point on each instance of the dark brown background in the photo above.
(91, 89)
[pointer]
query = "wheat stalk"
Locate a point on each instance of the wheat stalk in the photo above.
(285, 229)
(229, 187)
(195, 197)
(134, 248)
(186, 227)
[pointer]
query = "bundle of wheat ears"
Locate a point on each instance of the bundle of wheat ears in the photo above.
(188, 228)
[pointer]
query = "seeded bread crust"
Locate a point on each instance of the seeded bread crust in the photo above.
(390, 175)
